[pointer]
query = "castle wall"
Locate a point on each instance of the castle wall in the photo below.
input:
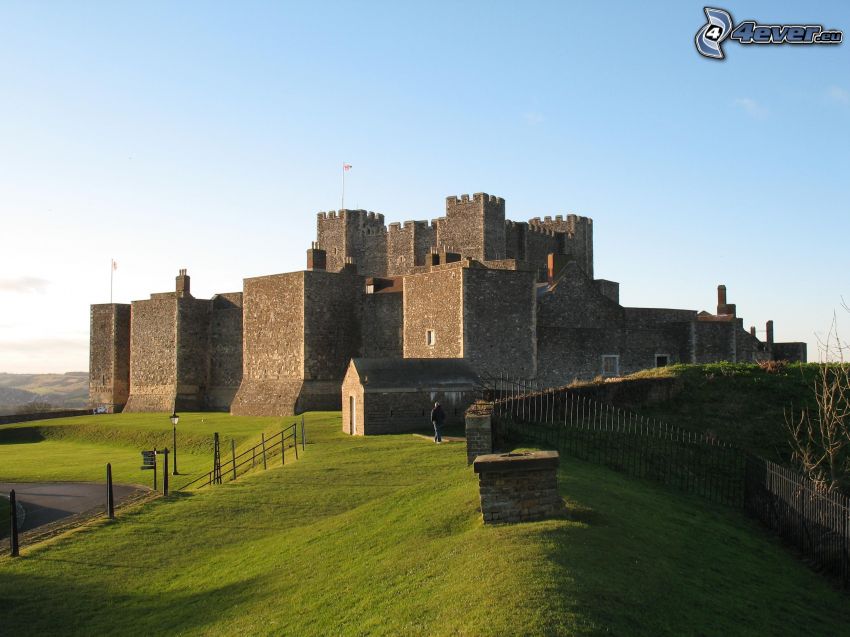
(225, 365)
(331, 325)
(578, 237)
(382, 334)
(353, 233)
(109, 356)
(499, 321)
(713, 341)
(331, 236)
(153, 351)
(273, 345)
(193, 353)
(539, 243)
(515, 232)
(401, 256)
(474, 227)
(434, 301)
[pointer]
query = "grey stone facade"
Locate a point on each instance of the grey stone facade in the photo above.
(505, 296)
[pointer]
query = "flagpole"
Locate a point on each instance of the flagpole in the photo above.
(342, 203)
(111, 273)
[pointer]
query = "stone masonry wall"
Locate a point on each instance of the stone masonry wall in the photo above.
(225, 351)
(193, 353)
(332, 316)
(519, 487)
(153, 347)
(434, 301)
(499, 321)
(273, 345)
(381, 327)
(474, 227)
(109, 355)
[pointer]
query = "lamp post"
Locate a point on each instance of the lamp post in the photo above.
(174, 420)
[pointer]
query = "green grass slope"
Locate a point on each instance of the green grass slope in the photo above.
(741, 403)
(382, 536)
(79, 448)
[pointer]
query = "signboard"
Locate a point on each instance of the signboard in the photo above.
(148, 460)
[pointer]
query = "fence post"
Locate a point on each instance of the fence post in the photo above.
(303, 437)
(110, 498)
(165, 473)
(233, 455)
(295, 438)
(13, 532)
(263, 442)
(282, 449)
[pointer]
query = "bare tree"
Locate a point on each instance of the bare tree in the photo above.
(820, 437)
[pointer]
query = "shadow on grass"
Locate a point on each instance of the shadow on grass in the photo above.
(88, 609)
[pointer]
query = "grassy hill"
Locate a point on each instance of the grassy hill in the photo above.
(69, 390)
(382, 536)
(739, 402)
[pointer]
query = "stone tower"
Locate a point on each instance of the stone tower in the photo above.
(109, 356)
(474, 227)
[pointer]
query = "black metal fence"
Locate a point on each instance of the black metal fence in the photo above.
(265, 451)
(815, 523)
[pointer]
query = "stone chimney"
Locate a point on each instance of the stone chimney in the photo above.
(769, 335)
(317, 259)
(724, 308)
(182, 287)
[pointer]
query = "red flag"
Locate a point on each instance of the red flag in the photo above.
(346, 167)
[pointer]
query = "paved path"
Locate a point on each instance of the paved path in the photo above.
(46, 502)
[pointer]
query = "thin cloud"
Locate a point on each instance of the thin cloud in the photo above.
(24, 285)
(533, 118)
(751, 107)
(838, 95)
(44, 345)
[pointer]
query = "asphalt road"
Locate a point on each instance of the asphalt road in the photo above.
(46, 502)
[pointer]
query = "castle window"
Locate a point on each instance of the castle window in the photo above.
(662, 360)
(610, 365)
(430, 338)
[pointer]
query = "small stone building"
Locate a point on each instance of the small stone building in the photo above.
(394, 395)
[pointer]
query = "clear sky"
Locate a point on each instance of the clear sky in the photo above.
(207, 135)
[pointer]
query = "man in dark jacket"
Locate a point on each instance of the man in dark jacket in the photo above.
(437, 418)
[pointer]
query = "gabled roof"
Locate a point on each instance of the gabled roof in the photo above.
(412, 374)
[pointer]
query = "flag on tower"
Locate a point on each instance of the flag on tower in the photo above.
(346, 166)
(114, 264)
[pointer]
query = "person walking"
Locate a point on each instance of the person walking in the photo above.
(438, 416)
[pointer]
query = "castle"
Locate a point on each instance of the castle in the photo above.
(508, 297)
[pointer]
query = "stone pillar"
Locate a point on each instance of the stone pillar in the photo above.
(182, 284)
(479, 431)
(519, 487)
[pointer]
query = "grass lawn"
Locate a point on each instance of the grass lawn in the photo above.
(79, 448)
(740, 402)
(5, 521)
(382, 536)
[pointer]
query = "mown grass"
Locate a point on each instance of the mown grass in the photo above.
(79, 448)
(739, 402)
(382, 536)
(5, 516)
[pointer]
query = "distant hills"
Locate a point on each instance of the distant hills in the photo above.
(24, 392)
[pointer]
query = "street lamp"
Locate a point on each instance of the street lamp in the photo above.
(174, 420)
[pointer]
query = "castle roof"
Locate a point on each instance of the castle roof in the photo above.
(415, 374)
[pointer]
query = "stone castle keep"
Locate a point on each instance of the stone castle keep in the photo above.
(505, 296)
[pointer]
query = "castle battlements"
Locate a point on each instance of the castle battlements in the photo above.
(481, 197)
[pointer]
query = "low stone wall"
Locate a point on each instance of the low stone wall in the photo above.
(479, 431)
(519, 487)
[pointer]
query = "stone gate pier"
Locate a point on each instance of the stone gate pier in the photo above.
(519, 487)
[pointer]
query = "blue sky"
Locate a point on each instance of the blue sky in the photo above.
(207, 135)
